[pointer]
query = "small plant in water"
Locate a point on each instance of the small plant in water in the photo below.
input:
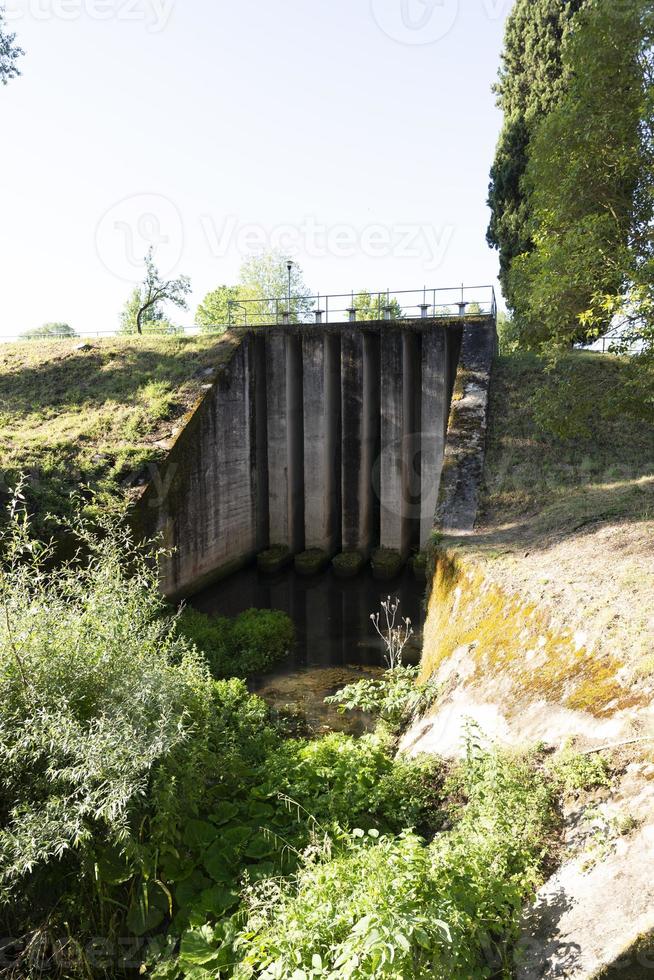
(395, 636)
(396, 697)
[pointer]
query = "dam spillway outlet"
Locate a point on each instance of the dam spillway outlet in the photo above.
(314, 440)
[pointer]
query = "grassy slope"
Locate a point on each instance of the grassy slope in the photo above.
(95, 417)
(569, 518)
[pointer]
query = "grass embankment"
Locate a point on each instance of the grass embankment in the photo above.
(96, 417)
(567, 509)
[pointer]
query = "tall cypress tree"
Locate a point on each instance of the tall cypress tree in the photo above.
(530, 82)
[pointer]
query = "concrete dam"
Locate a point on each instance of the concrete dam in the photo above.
(328, 437)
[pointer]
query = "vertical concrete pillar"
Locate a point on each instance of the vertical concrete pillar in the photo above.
(435, 381)
(400, 424)
(360, 437)
(260, 434)
(411, 412)
(371, 448)
(295, 428)
(391, 471)
(284, 427)
(321, 396)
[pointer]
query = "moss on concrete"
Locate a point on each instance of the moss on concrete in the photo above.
(274, 559)
(311, 562)
(348, 564)
(386, 563)
(510, 639)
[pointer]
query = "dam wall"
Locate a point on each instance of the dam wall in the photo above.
(328, 437)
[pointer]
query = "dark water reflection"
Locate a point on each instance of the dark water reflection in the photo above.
(336, 643)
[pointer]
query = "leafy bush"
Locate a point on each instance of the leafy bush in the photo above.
(366, 906)
(576, 771)
(114, 740)
(238, 647)
(357, 782)
(395, 698)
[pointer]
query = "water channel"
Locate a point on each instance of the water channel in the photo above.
(336, 643)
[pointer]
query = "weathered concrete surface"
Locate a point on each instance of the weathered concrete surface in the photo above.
(205, 500)
(466, 438)
(360, 397)
(522, 676)
(589, 914)
(322, 471)
(435, 385)
(400, 484)
(284, 439)
(309, 438)
(505, 664)
(391, 474)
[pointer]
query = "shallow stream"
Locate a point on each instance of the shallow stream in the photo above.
(336, 643)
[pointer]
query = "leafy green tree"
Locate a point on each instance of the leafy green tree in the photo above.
(144, 307)
(260, 296)
(153, 319)
(531, 80)
(221, 307)
(371, 307)
(508, 337)
(9, 53)
(591, 180)
(266, 276)
(49, 330)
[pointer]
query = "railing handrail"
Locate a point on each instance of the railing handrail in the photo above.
(481, 295)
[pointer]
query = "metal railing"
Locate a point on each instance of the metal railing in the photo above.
(407, 304)
(613, 342)
(459, 301)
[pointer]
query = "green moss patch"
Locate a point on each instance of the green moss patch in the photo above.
(419, 565)
(386, 563)
(311, 562)
(348, 564)
(274, 559)
(510, 638)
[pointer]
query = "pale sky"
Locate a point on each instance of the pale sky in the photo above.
(355, 134)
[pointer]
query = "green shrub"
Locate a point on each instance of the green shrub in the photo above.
(250, 643)
(114, 741)
(357, 782)
(576, 771)
(396, 697)
(367, 906)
